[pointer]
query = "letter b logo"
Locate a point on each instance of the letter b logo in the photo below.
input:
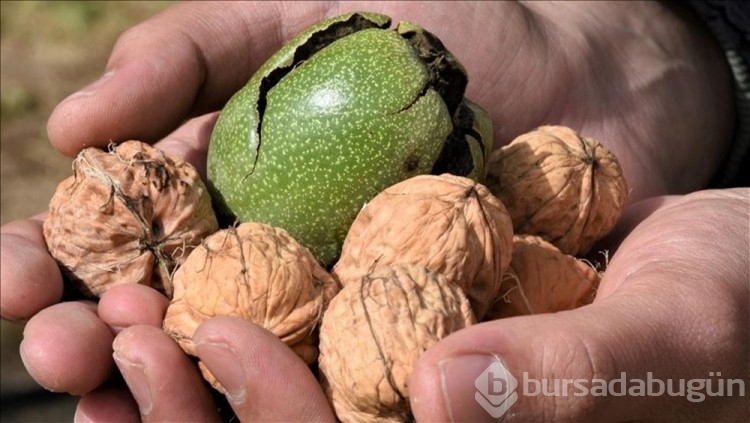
(496, 389)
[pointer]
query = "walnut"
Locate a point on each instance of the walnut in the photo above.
(450, 224)
(541, 279)
(256, 272)
(374, 331)
(127, 215)
(568, 189)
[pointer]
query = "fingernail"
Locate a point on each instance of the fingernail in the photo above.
(222, 361)
(135, 377)
(92, 88)
(477, 388)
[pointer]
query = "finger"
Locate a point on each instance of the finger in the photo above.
(484, 359)
(159, 73)
(67, 348)
(185, 61)
(123, 306)
(540, 353)
(631, 217)
(681, 235)
(161, 377)
(190, 141)
(644, 329)
(110, 404)
(31, 279)
(264, 379)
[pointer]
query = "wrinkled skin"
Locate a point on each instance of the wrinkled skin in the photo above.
(674, 300)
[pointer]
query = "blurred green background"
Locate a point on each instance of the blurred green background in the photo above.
(48, 50)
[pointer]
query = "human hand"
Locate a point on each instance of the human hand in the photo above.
(638, 77)
(562, 53)
(674, 301)
(265, 379)
(663, 307)
(79, 346)
(69, 347)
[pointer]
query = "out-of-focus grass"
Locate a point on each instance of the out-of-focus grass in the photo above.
(73, 34)
(61, 21)
(48, 49)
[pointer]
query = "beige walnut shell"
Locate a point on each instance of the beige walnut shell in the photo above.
(128, 215)
(450, 224)
(541, 279)
(375, 330)
(568, 189)
(256, 272)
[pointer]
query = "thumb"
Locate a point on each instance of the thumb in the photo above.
(264, 379)
(183, 62)
(664, 340)
(508, 367)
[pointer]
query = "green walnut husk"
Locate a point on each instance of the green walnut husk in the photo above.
(344, 110)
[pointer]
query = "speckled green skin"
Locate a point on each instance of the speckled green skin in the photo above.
(353, 119)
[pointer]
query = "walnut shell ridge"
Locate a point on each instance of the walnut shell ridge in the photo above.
(541, 279)
(127, 215)
(375, 330)
(450, 224)
(256, 272)
(568, 189)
